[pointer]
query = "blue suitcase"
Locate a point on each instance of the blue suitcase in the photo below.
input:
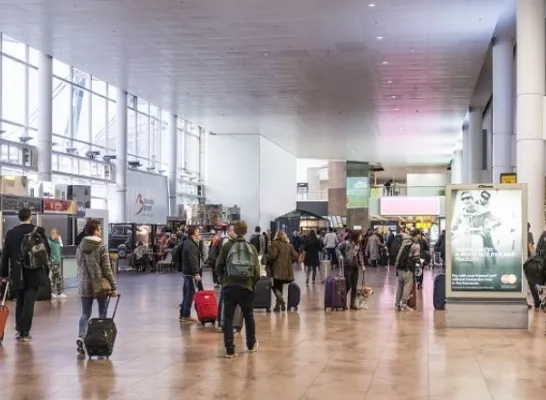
(335, 296)
(439, 299)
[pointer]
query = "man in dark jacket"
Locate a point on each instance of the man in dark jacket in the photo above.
(191, 265)
(25, 281)
(238, 291)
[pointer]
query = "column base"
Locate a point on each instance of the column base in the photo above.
(490, 314)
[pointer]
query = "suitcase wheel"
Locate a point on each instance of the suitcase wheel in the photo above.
(268, 310)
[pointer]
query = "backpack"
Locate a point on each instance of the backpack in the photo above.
(214, 252)
(350, 253)
(404, 261)
(395, 245)
(34, 251)
(535, 266)
(240, 261)
(255, 241)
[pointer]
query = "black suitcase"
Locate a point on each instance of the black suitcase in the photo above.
(101, 335)
(237, 317)
(384, 258)
(294, 296)
(262, 294)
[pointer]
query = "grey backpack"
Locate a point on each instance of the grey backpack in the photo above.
(240, 261)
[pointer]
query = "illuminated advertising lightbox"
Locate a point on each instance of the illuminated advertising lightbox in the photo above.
(358, 192)
(486, 238)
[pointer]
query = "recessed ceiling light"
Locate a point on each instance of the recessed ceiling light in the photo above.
(266, 54)
(385, 62)
(393, 97)
(389, 82)
(371, 5)
(380, 38)
(396, 109)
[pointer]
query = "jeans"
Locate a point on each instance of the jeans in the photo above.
(87, 310)
(56, 279)
(405, 284)
(233, 296)
(189, 292)
(313, 269)
(351, 280)
(331, 253)
(535, 294)
(215, 278)
(24, 310)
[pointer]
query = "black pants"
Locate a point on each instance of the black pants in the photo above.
(24, 310)
(233, 296)
(215, 278)
(278, 287)
(200, 283)
(351, 279)
(331, 253)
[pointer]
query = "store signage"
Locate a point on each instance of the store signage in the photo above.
(58, 206)
(486, 238)
(508, 178)
(405, 206)
(147, 198)
(14, 204)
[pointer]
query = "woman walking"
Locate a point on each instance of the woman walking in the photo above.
(312, 248)
(279, 266)
(95, 277)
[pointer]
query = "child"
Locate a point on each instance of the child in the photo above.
(55, 266)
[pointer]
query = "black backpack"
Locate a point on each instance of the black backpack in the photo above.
(34, 253)
(404, 260)
(214, 252)
(535, 267)
(395, 245)
(255, 241)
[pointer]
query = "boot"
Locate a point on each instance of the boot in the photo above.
(280, 301)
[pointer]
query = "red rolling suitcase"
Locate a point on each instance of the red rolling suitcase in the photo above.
(206, 306)
(4, 313)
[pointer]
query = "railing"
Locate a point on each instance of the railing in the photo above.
(313, 195)
(404, 190)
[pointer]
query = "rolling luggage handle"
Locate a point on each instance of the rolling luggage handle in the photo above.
(5, 296)
(115, 307)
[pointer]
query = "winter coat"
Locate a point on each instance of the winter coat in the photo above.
(93, 263)
(373, 247)
(279, 261)
(312, 248)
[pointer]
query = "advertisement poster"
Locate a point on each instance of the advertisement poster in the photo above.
(147, 198)
(358, 192)
(58, 206)
(486, 239)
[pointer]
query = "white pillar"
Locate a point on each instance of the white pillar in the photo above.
(121, 156)
(45, 117)
(467, 144)
(457, 167)
(503, 69)
(173, 162)
(530, 92)
(476, 145)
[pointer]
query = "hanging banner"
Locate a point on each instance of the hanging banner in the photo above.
(508, 178)
(486, 240)
(147, 198)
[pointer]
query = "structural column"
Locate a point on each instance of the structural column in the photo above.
(503, 109)
(467, 144)
(173, 162)
(531, 65)
(45, 117)
(121, 156)
(476, 145)
(457, 167)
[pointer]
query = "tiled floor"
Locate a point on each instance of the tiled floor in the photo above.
(374, 355)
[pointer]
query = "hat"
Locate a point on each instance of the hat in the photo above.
(415, 232)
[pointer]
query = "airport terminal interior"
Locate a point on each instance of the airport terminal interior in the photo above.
(406, 135)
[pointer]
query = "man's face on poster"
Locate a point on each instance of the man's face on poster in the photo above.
(468, 201)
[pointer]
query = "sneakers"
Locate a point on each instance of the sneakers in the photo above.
(17, 335)
(398, 307)
(405, 307)
(188, 319)
(230, 355)
(62, 296)
(254, 348)
(25, 339)
(80, 346)
(54, 296)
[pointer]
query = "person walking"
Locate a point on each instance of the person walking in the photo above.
(312, 248)
(350, 253)
(238, 267)
(56, 276)
(407, 260)
(191, 265)
(25, 262)
(279, 266)
(95, 277)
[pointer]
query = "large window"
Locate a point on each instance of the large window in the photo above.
(13, 90)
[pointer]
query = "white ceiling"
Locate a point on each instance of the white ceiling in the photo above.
(308, 74)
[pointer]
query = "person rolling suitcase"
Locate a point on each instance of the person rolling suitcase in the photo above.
(4, 313)
(335, 291)
(101, 335)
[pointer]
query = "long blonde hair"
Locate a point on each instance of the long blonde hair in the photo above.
(281, 235)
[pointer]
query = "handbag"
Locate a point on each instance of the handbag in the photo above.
(301, 257)
(101, 287)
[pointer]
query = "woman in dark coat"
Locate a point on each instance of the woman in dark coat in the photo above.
(312, 248)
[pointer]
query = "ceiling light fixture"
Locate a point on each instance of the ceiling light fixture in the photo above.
(371, 5)
(393, 97)
(389, 82)
(380, 38)
(396, 109)
(385, 62)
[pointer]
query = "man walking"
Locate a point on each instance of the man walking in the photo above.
(191, 265)
(24, 262)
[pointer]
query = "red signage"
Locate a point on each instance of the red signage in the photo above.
(57, 206)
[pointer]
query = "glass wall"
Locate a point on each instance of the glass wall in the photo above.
(84, 116)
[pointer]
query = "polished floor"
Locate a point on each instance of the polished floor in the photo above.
(374, 355)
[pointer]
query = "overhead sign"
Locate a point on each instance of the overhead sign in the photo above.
(147, 198)
(58, 206)
(15, 203)
(509, 178)
(404, 206)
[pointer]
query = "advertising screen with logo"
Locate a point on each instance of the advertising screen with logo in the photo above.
(486, 232)
(358, 192)
(147, 198)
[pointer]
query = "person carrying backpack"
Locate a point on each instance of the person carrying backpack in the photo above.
(258, 241)
(238, 268)
(350, 252)
(406, 261)
(25, 262)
